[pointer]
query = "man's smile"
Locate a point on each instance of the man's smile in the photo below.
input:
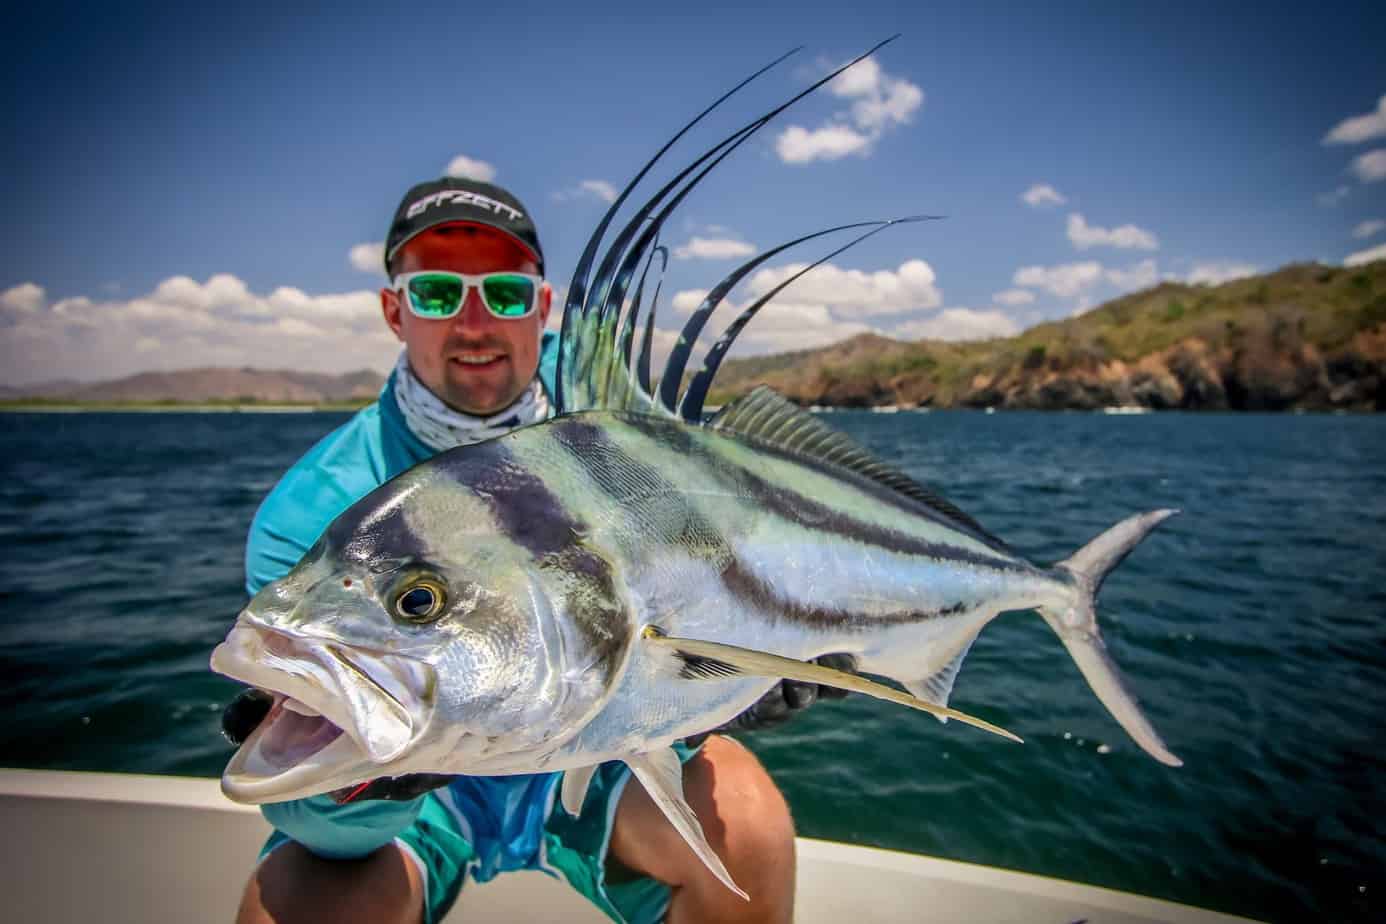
(479, 359)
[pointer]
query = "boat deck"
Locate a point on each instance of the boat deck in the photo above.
(118, 848)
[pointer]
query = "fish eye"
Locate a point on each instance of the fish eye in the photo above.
(420, 601)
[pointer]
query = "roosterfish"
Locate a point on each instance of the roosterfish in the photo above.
(633, 572)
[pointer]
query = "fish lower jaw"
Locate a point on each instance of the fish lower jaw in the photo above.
(339, 716)
(290, 756)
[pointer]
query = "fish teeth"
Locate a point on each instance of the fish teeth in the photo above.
(294, 705)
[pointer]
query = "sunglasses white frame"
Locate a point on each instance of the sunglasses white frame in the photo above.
(401, 282)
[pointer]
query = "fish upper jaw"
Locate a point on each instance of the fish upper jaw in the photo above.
(339, 711)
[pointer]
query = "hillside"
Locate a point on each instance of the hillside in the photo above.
(1308, 337)
(213, 385)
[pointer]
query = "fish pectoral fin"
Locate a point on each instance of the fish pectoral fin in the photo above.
(662, 776)
(733, 660)
(574, 790)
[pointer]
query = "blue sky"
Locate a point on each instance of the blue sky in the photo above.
(187, 187)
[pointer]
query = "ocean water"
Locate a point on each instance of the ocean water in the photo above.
(1252, 627)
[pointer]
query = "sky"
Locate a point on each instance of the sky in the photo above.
(188, 188)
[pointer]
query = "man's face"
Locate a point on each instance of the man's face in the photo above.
(474, 361)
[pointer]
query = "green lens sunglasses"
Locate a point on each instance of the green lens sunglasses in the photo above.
(439, 294)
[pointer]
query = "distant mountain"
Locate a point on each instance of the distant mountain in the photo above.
(214, 385)
(1307, 336)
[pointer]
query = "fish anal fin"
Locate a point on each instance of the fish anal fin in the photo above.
(574, 791)
(938, 686)
(662, 776)
(764, 415)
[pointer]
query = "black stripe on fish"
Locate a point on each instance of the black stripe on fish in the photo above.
(593, 604)
(756, 593)
(524, 508)
(809, 513)
(533, 517)
(373, 529)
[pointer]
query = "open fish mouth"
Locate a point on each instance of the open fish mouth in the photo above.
(340, 713)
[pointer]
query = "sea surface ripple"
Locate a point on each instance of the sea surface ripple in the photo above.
(1252, 628)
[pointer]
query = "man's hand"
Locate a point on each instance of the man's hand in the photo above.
(248, 710)
(784, 700)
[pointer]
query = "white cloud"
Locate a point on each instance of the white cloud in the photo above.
(861, 79)
(1217, 272)
(1371, 166)
(183, 323)
(879, 102)
(959, 324)
(827, 305)
(588, 189)
(686, 300)
(908, 288)
(1366, 256)
(782, 326)
(599, 188)
(1330, 199)
(23, 299)
(470, 167)
(798, 145)
(1064, 280)
(878, 99)
(1359, 128)
(1042, 194)
(1138, 276)
(1126, 237)
(1368, 228)
(704, 248)
(1014, 297)
(368, 258)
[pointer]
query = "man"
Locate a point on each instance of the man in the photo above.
(476, 363)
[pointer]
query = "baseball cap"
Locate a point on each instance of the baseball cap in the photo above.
(450, 199)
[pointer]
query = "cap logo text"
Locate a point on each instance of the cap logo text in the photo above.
(463, 197)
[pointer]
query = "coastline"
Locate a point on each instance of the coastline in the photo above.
(175, 408)
(1115, 410)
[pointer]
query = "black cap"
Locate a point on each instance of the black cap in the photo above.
(452, 198)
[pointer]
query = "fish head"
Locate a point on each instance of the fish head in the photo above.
(420, 636)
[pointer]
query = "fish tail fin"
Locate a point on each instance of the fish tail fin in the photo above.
(1076, 626)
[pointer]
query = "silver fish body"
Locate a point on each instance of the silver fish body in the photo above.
(556, 546)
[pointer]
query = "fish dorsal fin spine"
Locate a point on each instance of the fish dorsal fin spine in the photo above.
(597, 368)
(765, 415)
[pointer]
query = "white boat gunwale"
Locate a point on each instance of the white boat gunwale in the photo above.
(45, 813)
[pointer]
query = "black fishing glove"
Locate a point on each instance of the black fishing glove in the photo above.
(784, 700)
(248, 710)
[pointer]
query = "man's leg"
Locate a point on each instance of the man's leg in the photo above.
(745, 820)
(293, 885)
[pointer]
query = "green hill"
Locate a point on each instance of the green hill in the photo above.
(1304, 337)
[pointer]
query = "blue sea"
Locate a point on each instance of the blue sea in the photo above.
(1252, 627)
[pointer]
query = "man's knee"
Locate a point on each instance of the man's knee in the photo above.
(733, 794)
(294, 885)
